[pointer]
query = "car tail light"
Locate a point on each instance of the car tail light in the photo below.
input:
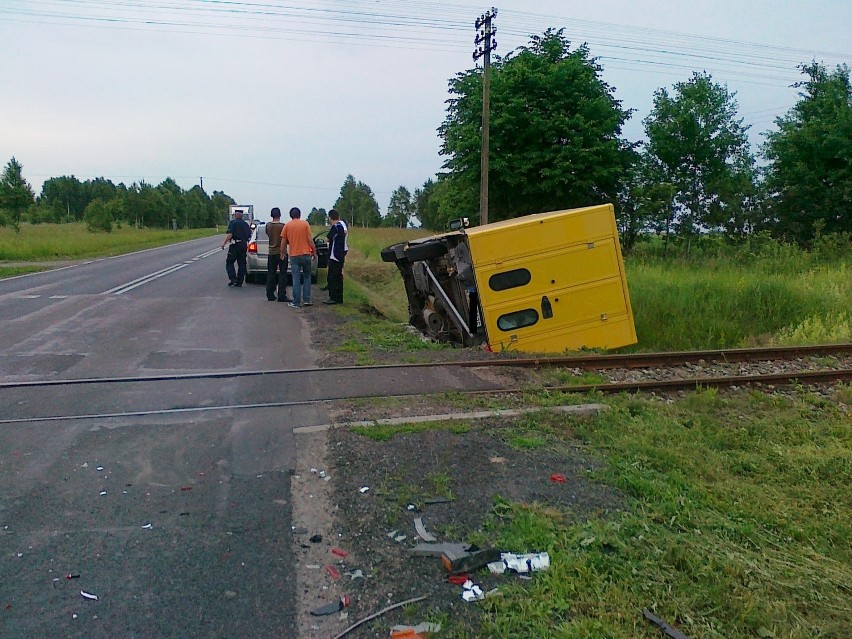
(252, 247)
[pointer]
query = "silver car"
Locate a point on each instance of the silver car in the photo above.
(258, 252)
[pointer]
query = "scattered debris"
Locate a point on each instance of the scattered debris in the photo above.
(558, 478)
(312, 566)
(497, 460)
(669, 631)
(393, 533)
(89, 595)
(420, 631)
(339, 552)
(400, 538)
(421, 530)
(458, 580)
(363, 489)
(300, 530)
(331, 570)
(451, 549)
(356, 574)
(470, 560)
(70, 576)
(102, 493)
(472, 592)
(437, 500)
(379, 614)
(185, 488)
(411, 507)
(331, 608)
(148, 526)
(230, 594)
(99, 468)
(521, 564)
(316, 539)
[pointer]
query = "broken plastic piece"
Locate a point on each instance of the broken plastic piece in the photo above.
(331, 608)
(420, 631)
(453, 550)
(102, 493)
(70, 576)
(148, 526)
(356, 574)
(400, 538)
(472, 592)
(458, 580)
(185, 488)
(89, 595)
(363, 489)
(421, 530)
(339, 552)
(331, 570)
(558, 478)
(378, 614)
(669, 631)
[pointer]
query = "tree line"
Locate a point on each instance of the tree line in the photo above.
(556, 142)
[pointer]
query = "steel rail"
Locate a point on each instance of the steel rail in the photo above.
(808, 377)
(585, 362)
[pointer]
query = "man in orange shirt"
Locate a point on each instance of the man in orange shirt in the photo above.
(297, 241)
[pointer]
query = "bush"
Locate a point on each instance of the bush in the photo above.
(98, 217)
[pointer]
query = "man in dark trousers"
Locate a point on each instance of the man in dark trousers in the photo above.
(238, 234)
(276, 264)
(336, 257)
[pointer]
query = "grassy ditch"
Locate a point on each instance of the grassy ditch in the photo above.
(47, 242)
(774, 297)
(737, 521)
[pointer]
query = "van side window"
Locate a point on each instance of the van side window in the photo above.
(518, 319)
(509, 279)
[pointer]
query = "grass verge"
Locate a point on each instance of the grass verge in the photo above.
(44, 242)
(739, 524)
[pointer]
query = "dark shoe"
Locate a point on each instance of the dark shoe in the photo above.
(331, 302)
(238, 284)
(307, 303)
(270, 299)
(285, 299)
(232, 282)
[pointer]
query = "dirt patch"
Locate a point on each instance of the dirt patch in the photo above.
(379, 488)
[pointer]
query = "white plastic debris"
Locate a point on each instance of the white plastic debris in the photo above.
(148, 526)
(363, 489)
(393, 533)
(99, 468)
(520, 564)
(102, 493)
(400, 537)
(89, 595)
(313, 470)
(356, 574)
(471, 592)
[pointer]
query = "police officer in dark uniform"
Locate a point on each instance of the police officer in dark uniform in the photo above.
(238, 234)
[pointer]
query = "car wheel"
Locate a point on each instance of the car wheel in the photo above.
(425, 251)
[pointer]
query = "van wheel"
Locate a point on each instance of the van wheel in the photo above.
(425, 251)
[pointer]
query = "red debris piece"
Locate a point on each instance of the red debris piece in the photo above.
(557, 478)
(8, 606)
(344, 602)
(339, 552)
(186, 487)
(331, 570)
(458, 580)
(70, 576)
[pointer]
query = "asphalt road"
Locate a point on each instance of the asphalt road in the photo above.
(169, 498)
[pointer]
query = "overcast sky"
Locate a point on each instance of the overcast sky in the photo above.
(276, 101)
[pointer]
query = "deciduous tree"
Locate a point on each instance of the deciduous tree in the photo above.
(809, 180)
(555, 133)
(357, 204)
(400, 209)
(701, 148)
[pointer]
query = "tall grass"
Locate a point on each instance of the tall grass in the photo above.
(44, 242)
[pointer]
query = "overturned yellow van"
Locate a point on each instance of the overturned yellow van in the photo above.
(545, 283)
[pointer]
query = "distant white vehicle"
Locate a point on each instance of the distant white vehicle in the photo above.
(246, 209)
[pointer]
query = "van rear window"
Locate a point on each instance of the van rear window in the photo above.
(509, 279)
(518, 319)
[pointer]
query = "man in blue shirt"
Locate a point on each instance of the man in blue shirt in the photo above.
(336, 256)
(238, 234)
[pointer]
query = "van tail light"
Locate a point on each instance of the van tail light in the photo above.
(252, 247)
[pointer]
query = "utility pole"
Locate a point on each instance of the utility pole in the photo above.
(485, 44)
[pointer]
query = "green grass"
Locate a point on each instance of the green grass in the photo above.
(45, 242)
(738, 524)
(386, 432)
(12, 271)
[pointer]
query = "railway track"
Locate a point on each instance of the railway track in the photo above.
(582, 362)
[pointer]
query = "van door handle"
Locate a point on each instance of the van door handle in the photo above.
(546, 308)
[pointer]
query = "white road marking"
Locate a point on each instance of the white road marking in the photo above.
(129, 286)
